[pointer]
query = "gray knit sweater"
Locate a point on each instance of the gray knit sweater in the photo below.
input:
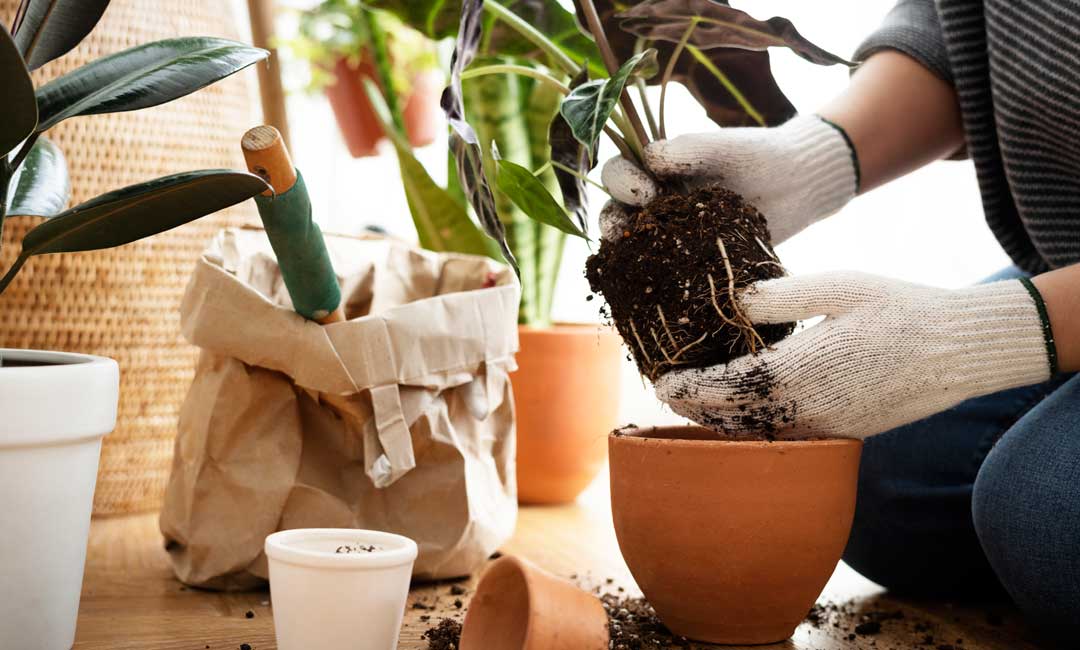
(1016, 68)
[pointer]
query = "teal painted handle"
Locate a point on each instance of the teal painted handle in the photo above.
(301, 252)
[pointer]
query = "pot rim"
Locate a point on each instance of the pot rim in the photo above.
(281, 547)
(635, 435)
(562, 328)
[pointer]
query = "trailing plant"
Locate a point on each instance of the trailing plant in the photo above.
(33, 173)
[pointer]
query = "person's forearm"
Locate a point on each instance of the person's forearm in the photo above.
(1060, 291)
(899, 116)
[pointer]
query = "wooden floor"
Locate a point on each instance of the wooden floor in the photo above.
(132, 602)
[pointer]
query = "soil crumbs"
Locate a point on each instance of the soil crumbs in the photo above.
(670, 281)
(444, 636)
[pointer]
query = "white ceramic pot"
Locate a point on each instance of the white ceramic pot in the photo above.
(54, 410)
(338, 588)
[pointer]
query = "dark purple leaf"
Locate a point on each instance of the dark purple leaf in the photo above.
(568, 152)
(712, 25)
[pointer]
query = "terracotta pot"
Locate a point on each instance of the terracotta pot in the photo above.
(356, 116)
(731, 541)
(520, 607)
(566, 391)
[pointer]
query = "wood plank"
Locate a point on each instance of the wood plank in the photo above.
(131, 601)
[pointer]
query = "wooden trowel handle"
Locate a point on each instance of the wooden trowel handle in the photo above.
(267, 157)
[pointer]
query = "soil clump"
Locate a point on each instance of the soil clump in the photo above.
(672, 279)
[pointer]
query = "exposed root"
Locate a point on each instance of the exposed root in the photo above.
(641, 344)
(663, 321)
(743, 323)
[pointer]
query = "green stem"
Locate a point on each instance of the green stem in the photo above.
(723, 79)
(12, 272)
(381, 55)
(639, 83)
(533, 35)
(671, 70)
(584, 177)
(543, 168)
(523, 70)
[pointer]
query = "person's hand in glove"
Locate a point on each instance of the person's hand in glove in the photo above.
(886, 354)
(795, 174)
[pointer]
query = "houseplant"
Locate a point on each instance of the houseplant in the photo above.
(336, 36)
(567, 385)
(49, 456)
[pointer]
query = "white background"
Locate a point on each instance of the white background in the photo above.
(927, 227)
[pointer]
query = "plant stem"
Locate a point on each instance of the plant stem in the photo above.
(524, 70)
(534, 36)
(382, 66)
(639, 46)
(669, 71)
(612, 64)
(731, 88)
(24, 151)
(584, 177)
(543, 168)
(12, 272)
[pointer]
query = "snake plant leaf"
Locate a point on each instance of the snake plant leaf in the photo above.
(47, 29)
(40, 187)
(587, 108)
(142, 76)
(530, 195)
(438, 19)
(711, 25)
(20, 108)
(567, 153)
(735, 87)
(137, 211)
(463, 141)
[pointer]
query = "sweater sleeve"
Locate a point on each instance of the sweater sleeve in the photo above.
(912, 27)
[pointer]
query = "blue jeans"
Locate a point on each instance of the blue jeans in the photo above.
(981, 499)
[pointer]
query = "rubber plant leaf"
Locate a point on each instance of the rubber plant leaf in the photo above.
(438, 19)
(530, 195)
(47, 29)
(40, 187)
(132, 213)
(587, 108)
(20, 108)
(735, 87)
(463, 141)
(568, 153)
(142, 76)
(712, 25)
(442, 223)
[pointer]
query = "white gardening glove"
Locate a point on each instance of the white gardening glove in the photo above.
(795, 174)
(888, 353)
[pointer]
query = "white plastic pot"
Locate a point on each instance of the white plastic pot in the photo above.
(338, 601)
(54, 410)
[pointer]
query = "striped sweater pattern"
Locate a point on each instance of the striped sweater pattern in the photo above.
(1016, 70)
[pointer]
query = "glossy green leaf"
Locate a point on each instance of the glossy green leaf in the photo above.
(20, 108)
(588, 107)
(530, 195)
(712, 25)
(40, 187)
(143, 76)
(132, 213)
(48, 29)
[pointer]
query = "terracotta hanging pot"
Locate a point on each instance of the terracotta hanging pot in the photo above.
(356, 117)
(731, 541)
(566, 391)
(520, 607)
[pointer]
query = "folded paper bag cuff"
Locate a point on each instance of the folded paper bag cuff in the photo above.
(419, 343)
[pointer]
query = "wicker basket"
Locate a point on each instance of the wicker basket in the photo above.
(124, 303)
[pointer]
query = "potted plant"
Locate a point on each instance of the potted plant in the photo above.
(567, 385)
(337, 37)
(57, 407)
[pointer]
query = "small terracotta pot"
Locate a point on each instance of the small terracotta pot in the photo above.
(731, 541)
(566, 390)
(520, 607)
(356, 116)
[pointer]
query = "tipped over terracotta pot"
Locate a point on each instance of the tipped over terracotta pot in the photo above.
(731, 541)
(518, 606)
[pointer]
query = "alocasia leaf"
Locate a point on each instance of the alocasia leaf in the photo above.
(713, 25)
(20, 107)
(567, 153)
(463, 141)
(40, 187)
(47, 29)
(142, 76)
(588, 107)
(530, 195)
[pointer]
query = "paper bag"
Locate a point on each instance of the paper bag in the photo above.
(400, 419)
